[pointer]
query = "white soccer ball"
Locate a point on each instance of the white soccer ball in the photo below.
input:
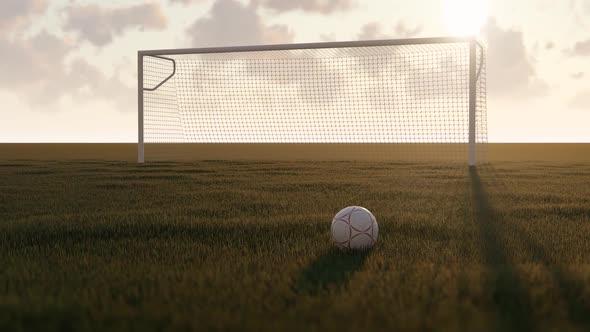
(354, 227)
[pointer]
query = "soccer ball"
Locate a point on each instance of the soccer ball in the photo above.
(354, 227)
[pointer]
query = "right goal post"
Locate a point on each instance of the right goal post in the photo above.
(424, 96)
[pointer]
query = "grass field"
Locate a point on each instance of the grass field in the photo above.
(238, 245)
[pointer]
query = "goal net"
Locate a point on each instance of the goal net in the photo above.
(413, 99)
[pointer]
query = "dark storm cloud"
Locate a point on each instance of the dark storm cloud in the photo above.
(581, 101)
(311, 6)
(36, 69)
(100, 25)
(511, 69)
(14, 13)
(231, 23)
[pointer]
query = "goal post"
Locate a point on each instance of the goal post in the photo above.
(472, 102)
(140, 139)
(428, 92)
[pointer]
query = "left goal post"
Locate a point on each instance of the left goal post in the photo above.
(140, 138)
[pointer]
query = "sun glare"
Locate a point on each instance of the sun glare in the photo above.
(465, 17)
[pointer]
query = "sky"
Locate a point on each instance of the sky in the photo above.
(68, 68)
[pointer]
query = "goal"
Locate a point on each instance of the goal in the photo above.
(426, 96)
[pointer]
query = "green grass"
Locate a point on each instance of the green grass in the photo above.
(217, 245)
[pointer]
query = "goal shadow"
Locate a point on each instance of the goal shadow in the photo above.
(511, 300)
(331, 270)
(577, 307)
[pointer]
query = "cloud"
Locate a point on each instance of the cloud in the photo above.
(85, 81)
(576, 5)
(16, 13)
(549, 45)
(186, 2)
(35, 68)
(582, 48)
(31, 60)
(511, 70)
(41, 69)
(581, 100)
(328, 37)
(311, 6)
(578, 75)
(403, 31)
(232, 23)
(374, 30)
(99, 25)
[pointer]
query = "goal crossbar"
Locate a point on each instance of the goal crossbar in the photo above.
(303, 46)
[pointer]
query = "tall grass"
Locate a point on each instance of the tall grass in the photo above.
(241, 245)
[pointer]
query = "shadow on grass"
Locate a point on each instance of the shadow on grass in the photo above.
(510, 299)
(331, 270)
(578, 307)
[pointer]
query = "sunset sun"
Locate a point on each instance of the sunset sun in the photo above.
(465, 17)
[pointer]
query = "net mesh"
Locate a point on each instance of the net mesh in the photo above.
(377, 95)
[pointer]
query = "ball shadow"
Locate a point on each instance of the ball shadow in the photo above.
(331, 270)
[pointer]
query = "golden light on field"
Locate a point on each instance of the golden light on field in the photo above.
(465, 17)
